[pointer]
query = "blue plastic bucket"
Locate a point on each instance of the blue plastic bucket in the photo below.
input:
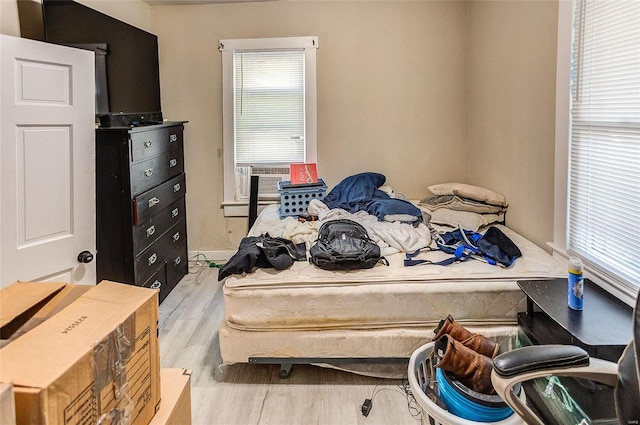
(469, 404)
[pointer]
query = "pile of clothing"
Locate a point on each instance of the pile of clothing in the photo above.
(365, 192)
(463, 205)
(263, 251)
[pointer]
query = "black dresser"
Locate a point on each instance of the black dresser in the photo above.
(140, 205)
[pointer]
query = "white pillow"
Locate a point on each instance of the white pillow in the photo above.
(471, 192)
(468, 220)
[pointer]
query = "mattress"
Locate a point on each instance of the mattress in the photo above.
(307, 297)
(238, 346)
(386, 311)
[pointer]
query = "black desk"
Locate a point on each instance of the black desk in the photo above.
(603, 329)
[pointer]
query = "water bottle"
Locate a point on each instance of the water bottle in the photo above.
(576, 284)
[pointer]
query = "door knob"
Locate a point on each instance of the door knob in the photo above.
(85, 257)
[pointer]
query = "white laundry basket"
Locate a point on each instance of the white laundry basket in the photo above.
(419, 373)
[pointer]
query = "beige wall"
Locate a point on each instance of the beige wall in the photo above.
(391, 93)
(512, 66)
(421, 91)
(9, 23)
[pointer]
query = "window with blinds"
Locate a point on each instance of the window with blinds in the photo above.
(269, 107)
(604, 156)
(269, 112)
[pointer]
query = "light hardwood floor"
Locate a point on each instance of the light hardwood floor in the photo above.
(255, 394)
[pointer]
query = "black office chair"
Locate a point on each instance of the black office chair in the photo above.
(523, 364)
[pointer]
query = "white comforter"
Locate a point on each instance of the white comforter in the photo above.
(391, 237)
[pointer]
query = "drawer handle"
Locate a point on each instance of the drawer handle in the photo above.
(174, 213)
(153, 258)
(176, 237)
(173, 138)
(148, 144)
(151, 230)
(177, 261)
(173, 162)
(148, 172)
(153, 201)
(156, 285)
(176, 187)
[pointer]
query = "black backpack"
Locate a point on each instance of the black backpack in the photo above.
(344, 245)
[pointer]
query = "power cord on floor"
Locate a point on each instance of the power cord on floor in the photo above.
(412, 404)
(201, 260)
(403, 388)
(198, 264)
(365, 408)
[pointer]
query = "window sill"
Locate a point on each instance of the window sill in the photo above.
(623, 292)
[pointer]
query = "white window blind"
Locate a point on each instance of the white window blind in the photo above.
(269, 107)
(604, 159)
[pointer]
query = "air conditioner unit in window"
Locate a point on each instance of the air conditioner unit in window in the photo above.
(267, 184)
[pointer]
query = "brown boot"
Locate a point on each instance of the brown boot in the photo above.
(478, 343)
(471, 368)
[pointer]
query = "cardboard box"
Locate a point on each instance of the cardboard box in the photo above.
(20, 301)
(24, 305)
(7, 405)
(97, 357)
(175, 405)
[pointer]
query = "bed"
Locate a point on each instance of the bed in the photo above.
(308, 315)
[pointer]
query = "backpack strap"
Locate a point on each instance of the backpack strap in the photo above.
(459, 242)
(459, 256)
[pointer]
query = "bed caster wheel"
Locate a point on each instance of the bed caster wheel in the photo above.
(285, 369)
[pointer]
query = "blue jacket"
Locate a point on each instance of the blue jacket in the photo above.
(360, 192)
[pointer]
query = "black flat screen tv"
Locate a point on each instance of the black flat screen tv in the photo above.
(127, 73)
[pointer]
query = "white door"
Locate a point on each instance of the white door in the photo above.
(47, 153)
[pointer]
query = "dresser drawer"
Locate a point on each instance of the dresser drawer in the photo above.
(148, 143)
(150, 173)
(152, 228)
(159, 281)
(158, 252)
(150, 202)
(177, 265)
